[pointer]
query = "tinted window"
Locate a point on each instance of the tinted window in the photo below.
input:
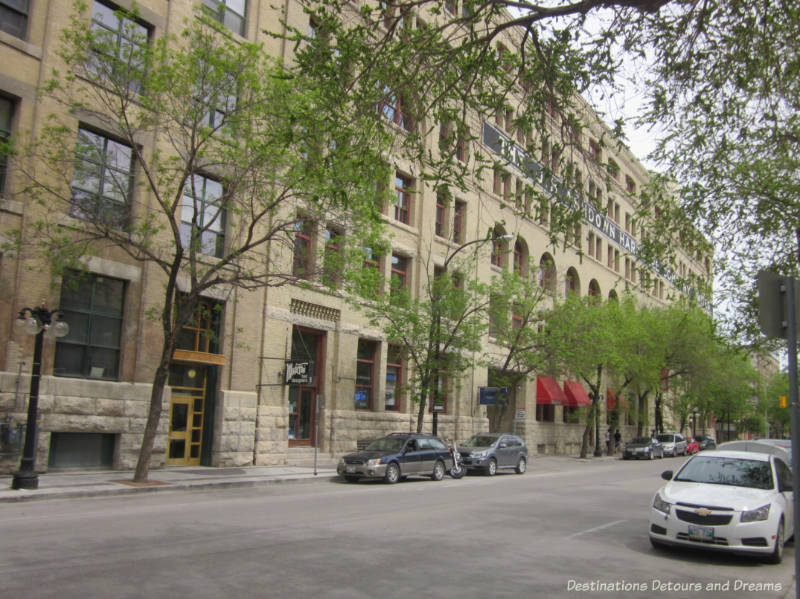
(737, 472)
(386, 444)
(480, 441)
(437, 444)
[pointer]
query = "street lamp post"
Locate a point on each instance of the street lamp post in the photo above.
(491, 236)
(42, 323)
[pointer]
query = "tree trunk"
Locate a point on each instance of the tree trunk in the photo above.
(153, 417)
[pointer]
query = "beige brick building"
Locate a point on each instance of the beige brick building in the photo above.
(228, 402)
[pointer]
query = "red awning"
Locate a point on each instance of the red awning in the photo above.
(575, 394)
(611, 400)
(548, 392)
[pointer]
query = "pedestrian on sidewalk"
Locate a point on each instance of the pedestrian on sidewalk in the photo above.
(617, 441)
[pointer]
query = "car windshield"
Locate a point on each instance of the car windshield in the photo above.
(386, 444)
(480, 441)
(666, 438)
(641, 441)
(737, 472)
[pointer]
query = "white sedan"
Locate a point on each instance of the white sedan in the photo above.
(727, 500)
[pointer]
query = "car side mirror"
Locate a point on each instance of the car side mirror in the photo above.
(667, 475)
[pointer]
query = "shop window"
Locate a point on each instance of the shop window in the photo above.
(394, 378)
(365, 374)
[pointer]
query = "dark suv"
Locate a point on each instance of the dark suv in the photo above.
(396, 456)
(490, 451)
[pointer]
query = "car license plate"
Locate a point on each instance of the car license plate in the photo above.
(350, 468)
(701, 532)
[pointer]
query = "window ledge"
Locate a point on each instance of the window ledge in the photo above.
(21, 45)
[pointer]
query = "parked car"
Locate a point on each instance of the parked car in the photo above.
(779, 447)
(489, 452)
(692, 446)
(674, 443)
(643, 448)
(706, 442)
(396, 456)
(726, 500)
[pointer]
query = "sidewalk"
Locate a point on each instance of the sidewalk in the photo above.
(54, 485)
(90, 483)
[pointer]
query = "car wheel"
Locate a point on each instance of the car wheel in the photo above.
(776, 557)
(351, 479)
(438, 470)
(491, 469)
(392, 473)
(522, 466)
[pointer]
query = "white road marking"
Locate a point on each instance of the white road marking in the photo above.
(595, 529)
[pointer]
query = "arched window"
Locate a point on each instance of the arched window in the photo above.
(520, 257)
(499, 247)
(594, 289)
(547, 273)
(612, 296)
(572, 283)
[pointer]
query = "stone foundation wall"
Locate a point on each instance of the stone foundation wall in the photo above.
(84, 406)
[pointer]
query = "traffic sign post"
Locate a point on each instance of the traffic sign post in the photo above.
(777, 317)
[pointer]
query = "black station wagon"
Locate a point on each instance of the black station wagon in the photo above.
(396, 456)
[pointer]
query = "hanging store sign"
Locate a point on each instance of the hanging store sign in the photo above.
(299, 373)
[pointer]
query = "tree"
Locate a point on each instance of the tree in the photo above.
(437, 328)
(212, 154)
(580, 336)
(515, 314)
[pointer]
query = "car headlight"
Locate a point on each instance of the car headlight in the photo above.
(373, 463)
(479, 454)
(661, 505)
(756, 515)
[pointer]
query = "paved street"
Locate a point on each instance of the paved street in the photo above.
(567, 528)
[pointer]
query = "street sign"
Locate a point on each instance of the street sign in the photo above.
(772, 310)
(299, 373)
(521, 414)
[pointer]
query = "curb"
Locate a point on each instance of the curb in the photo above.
(114, 488)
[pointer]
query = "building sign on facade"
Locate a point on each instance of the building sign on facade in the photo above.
(499, 143)
(299, 373)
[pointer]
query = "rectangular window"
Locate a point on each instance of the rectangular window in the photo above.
(119, 43)
(333, 265)
(399, 279)
(92, 307)
(230, 13)
(545, 413)
(365, 374)
(14, 17)
(202, 332)
(394, 378)
(459, 221)
(440, 223)
(402, 205)
(302, 264)
(599, 248)
(451, 6)
(6, 116)
(590, 245)
(102, 180)
(610, 256)
(392, 107)
(202, 216)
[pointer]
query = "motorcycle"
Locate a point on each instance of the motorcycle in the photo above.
(459, 469)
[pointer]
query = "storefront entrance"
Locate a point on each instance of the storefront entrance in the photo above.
(308, 345)
(186, 414)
